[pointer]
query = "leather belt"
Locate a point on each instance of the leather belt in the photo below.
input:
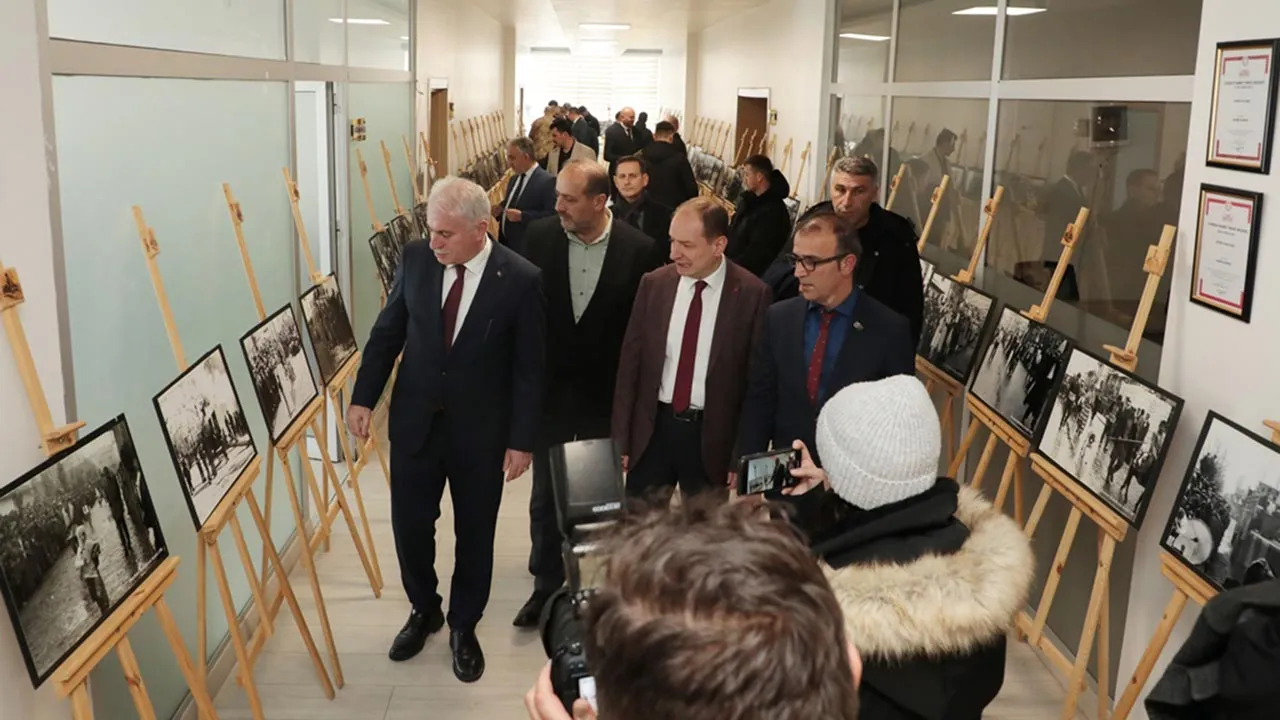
(690, 415)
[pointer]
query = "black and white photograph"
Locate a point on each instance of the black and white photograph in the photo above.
(386, 257)
(403, 231)
(282, 377)
(955, 319)
(768, 473)
(1225, 524)
(1110, 430)
(1019, 369)
(420, 218)
(77, 535)
(927, 270)
(207, 433)
(329, 327)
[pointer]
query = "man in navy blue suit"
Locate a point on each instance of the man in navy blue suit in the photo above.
(831, 336)
(469, 316)
(530, 196)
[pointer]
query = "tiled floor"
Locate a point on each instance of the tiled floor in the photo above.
(378, 689)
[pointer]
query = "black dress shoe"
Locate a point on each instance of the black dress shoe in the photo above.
(468, 659)
(414, 634)
(531, 614)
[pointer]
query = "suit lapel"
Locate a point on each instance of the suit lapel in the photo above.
(665, 304)
(793, 340)
(851, 352)
(724, 311)
(558, 277)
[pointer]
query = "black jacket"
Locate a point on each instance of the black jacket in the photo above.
(761, 226)
(583, 133)
(618, 145)
(679, 143)
(929, 587)
(671, 180)
(651, 218)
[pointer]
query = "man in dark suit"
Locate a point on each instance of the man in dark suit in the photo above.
(636, 207)
(675, 137)
(620, 138)
(531, 195)
(671, 179)
(591, 266)
(468, 315)
(582, 130)
(831, 336)
(685, 360)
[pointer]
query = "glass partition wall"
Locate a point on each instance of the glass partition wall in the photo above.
(1064, 105)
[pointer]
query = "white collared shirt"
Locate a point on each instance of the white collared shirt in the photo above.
(475, 270)
(706, 330)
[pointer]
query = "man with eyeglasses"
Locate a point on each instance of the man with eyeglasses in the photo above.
(844, 336)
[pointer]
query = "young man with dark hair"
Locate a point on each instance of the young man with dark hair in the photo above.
(636, 206)
(712, 611)
(761, 221)
(566, 147)
(581, 129)
(671, 180)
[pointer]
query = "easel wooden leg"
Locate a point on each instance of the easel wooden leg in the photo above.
(266, 531)
(1104, 647)
(233, 627)
(970, 435)
(987, 451)
(1006, 478)
(1075, 684)
(1018, 503)
(1055, 575)
(202, 605)
(81, 706)
(1147, 663)
(133, 678)
(196, 682)
(1037, 511)
(255, 586)
(948, 427)
(353, 479)
(323, 441)
(341, 497)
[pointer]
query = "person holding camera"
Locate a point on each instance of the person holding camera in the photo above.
(928, 573)
(710, 610)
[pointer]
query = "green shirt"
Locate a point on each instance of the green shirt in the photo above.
(585, 262)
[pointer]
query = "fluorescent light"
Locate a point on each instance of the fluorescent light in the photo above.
(360, 21)
(603, 26)
(992, 10)
(404, 37)
(861, 36)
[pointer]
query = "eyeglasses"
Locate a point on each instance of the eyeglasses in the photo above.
(809, 262)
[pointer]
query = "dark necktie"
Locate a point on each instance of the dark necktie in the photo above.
(451, 304)
(681, 397)
(515, 191)
(814, 381)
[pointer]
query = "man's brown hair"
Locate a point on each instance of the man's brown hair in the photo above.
(847, 241)
(716, 612)
(715, 219)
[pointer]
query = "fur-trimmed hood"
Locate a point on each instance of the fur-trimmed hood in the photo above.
(940, 605)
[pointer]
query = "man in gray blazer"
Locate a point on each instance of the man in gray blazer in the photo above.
(566, 147)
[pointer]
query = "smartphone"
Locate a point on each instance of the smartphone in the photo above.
(767, 472)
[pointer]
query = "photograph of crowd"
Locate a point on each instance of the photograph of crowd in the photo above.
(329, 328)
(77, 536)
(386, 257)
(403, 230)
(282, 377)
(1225, 524)
(926, 271)
(1022, 362)
(420, 218)
(207, 433)
(955, 318)
(1110, 431)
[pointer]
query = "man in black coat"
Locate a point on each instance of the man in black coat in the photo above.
(671, 180)
(582, 131)
(591, 267)
(675, 138)
(530, 195)
(620, 140)
(468, 315)
(636, 206)
(761, 222)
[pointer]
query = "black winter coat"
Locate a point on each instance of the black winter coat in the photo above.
(671, 180)
(761, 226)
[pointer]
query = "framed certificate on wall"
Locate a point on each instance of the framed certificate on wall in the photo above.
(1226, 250)
(1242, 118)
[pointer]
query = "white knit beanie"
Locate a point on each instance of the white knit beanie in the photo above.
(880, 441)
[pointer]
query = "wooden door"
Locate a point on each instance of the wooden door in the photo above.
(753, 122)
(439, 130)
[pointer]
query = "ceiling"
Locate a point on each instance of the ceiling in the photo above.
(655, 24)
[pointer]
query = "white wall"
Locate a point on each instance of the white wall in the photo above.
(778, 46)
(26, 245)
(672, 77)
(1239, 384)
(460, 43)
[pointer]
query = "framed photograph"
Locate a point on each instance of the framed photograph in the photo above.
(386, 257)
(1225, 524)
(78, 534)
(402, 230)
(1226, 250)
(1019, 369)
(329, 328)
(206, 431)
(1242, 116)
(420, 217)
(282, 377)
(1110, 430)
(955, 320)
(927, 269)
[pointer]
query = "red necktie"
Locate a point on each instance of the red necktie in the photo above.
(680, 398)
(819, 352)
(451, 304)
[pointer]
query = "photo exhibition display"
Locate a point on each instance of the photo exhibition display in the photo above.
(1023, 361)
(955, 318)
(282, 377)
(329, 328)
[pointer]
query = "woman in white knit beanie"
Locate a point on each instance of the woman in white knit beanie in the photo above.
(928, 573)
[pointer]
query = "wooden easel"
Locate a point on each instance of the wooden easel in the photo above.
(391, 179)
(965, 276)
(786, 155)
(724, 139)
(224, 515)
(826, 179)
(413, 175)
(432, 164)
(368, 200)
(935, 201)
(1112, 530)
(72, 677)
(894, 184)
(804, 162)
(738, 155)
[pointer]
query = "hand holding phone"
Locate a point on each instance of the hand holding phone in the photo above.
(768, 472)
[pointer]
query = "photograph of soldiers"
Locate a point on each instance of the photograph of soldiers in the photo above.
(386, 256)
(955, 318)
(282, 377)
(1021, 364)
(329, 327)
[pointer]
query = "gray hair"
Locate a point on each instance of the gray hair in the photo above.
(863, 165)
(459, 197)
(522, 144)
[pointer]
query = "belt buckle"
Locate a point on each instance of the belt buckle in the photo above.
(688, 415)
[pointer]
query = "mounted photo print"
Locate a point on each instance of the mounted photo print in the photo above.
(1242, 116)
(282, 377)
(955, 319)
(78, 535)
(1226, 256)
(1225, 525)
(1110, 431)
(386, 257)
(420, 219)
(207, 433)
(1019, 369)
(329, 328)
(927, 269)
(403, 230)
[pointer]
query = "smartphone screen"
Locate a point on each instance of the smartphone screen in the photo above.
(767, 472)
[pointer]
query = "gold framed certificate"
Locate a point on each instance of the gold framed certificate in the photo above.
(1226, 250)
(1242, 119)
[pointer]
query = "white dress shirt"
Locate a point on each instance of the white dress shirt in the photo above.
(474, 271)
(706, 330)
(514, 196)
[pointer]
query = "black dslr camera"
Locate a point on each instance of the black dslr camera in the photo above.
(586, 478)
